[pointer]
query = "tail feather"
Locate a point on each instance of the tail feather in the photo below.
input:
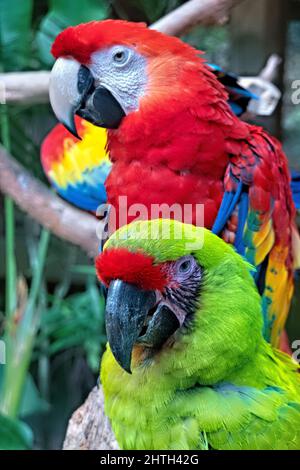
(295, 185)
(238, 96)
(296, 247)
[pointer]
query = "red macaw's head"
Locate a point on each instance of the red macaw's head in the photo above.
(106, 71)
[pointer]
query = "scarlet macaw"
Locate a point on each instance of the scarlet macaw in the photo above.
(78, 168)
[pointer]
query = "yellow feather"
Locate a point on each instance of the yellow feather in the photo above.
(80, 156)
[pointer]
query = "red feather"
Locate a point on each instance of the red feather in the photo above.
(136, 268)
(83, 40)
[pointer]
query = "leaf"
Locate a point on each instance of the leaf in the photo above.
(154, 9)
(76, 322)
(65, 13)
(32, 402)
(143, 10)
(14, 434)
(15, 33)
(82, 269)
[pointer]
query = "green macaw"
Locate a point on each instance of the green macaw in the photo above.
(187, 366)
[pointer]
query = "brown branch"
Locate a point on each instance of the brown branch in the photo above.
(270, 70)
(24, 87)
(45, 207)
(89, 427)
(193, 13)
(32, 87)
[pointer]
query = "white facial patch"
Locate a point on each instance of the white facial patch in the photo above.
(122, 71)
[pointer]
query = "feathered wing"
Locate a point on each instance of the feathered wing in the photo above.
(77, 169)
(238, 417)
(296, 188)
(264, 415)
(257, 215)
(238, 96)
(258, 419)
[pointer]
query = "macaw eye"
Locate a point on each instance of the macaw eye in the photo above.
(121, 56)
(185, 265)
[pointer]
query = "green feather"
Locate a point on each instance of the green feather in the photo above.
(220, 385)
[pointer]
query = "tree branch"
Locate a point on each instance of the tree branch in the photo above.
(270, 70)
(194, 12)
(24, 87)
(89, 427)
(44, 206)
(32, 87)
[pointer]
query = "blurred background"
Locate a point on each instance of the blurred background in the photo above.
(53, 355)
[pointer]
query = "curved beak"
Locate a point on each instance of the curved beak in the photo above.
(63, 92)
(72, 91)
(134, 316)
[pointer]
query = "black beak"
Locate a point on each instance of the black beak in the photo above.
(126, 309)
(97, 105)
(134, 317)
(101, 108)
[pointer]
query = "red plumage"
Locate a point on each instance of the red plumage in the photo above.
(176, 153)
(184, 145)
(83, 40)
(136, 268)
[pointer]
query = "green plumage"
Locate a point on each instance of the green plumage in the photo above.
(219, 385)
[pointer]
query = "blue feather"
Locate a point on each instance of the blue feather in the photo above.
(237, 109)
(89, 193)
(295, 186)
(243, 92)
(229, 201)
(242, 217)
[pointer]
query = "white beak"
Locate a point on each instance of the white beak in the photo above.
(63, 91)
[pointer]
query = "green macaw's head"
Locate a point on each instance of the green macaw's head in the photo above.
(176, 291)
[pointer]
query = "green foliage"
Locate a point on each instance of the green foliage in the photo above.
(31, 401)
(213, 41)
(144, 10)
(39, 328)
(20, 329)
(63, 13)
(157, 8)
(26, 139)
(153, 9)
(15, 33)
(75, 322)
(14, 434)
